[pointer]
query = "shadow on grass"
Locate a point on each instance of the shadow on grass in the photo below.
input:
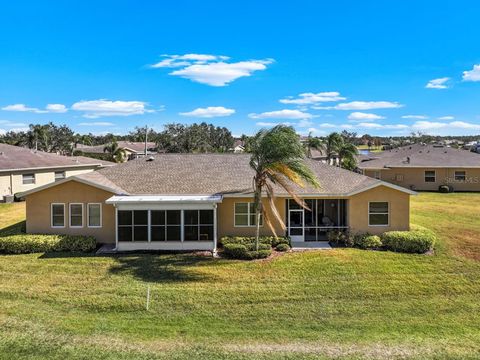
(163, 268)
(18, 228)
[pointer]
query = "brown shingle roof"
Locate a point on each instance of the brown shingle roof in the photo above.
(16, 157)
(207, 174)
(422, 156)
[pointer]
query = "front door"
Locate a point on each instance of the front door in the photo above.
(295, 225)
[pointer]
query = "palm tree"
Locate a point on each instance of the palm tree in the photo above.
(331, 145)
(347, 153)
(118, 154)
(312, 143)
(278, 160)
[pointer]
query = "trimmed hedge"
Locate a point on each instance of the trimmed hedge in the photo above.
(30, 243)
(368, 242)
(247, 252)
(282, 247)
(247, 240)
(419, 240)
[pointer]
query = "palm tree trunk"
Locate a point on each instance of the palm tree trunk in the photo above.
(258, 213)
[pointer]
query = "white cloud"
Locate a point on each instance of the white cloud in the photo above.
(211, 70)
(98, 108)
(417, 117)
(304, 123)
(446, 118)
(327, 125)
(56, 108)
(50, 108)
(282, 114)
(362, 105)
(268, 124)
(472, 75)
(383, 126)
(428, 125)
(361, 116)
(186, 60)
(22, 108)
(96, 123)
(439, 83)
(313, 98)
(209, 112)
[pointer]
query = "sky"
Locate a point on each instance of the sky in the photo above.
(378, 67)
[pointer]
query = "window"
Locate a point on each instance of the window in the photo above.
(58, 215)
(76, 215)
(377, 175)
(245, 215)
(132, 225)
(430, 176)
(378, 214)
(198, 225)
(28, 179)
(94, 214)
(399, 177)
(59, 175)
(460, 175)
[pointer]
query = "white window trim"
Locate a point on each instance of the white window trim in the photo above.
(88, 216)
(70, 215)
(248, 214)
(377, 175)
(434, 176)
(34, 179)
(51, 216)
(464, 175)
(388, 214)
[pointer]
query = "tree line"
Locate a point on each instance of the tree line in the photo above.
(174, 138)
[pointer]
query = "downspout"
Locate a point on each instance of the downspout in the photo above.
(11, 183)
(214, 252)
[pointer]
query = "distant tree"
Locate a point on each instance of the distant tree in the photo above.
(117, 153)
(312, 143)
(331, 144)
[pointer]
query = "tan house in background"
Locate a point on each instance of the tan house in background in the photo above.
(188, 201)
(22, 169)
(425, 167)
(133, 149)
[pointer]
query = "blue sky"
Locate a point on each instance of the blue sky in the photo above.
(377, 67)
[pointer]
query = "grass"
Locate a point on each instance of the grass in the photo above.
(371, 149)
(344, 303)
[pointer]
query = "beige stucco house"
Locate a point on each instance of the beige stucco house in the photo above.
(23, 169)
(425, 167)
(188, 201)
(133, 149)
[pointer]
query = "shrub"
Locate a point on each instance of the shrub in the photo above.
(418, 240)
(282, 247)
(246, 240)
(247, 252)
(341, 238)
(29, 243)
(445, 189)
(368, 241)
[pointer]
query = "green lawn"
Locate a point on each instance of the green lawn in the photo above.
(343, 303)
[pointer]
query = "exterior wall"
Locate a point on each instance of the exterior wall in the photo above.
(12, 183)
(415, 178)
(399, 210)
(226, 218)
(39, 217)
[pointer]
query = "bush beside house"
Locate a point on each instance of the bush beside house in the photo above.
(30, 243)
(243, 247)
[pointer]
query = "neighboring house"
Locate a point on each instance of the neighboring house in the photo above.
(23, 169)
(238, 147)
(425, 167)
(133, 150)
(188, 201)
